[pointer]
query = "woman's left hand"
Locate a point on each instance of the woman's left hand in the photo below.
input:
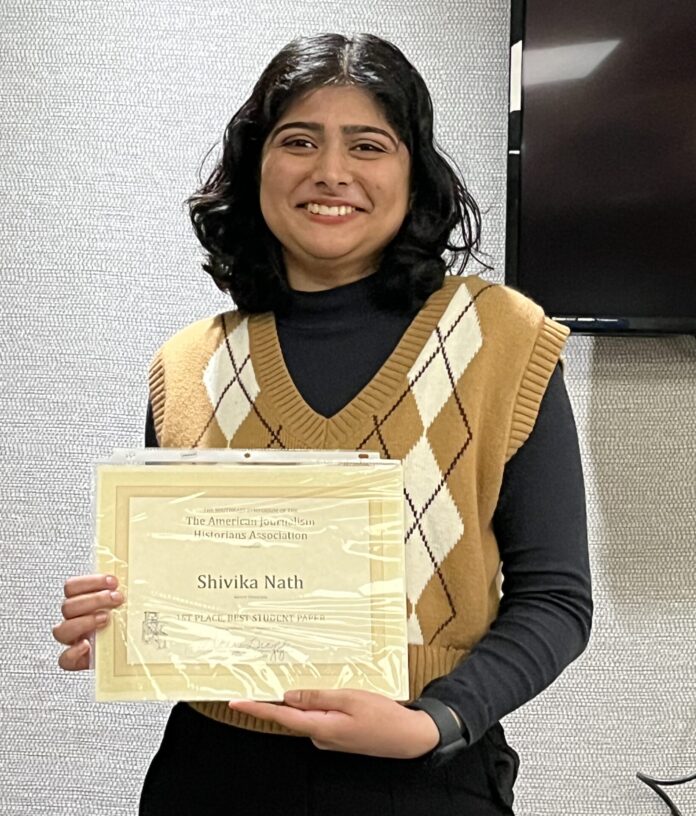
(358, 722)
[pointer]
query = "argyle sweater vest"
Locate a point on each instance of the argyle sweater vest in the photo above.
(455, 399)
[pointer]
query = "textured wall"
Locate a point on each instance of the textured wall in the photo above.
(107, 111)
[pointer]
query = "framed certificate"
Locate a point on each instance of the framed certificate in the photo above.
(247, 579)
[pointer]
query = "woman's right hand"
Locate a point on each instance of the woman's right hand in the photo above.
(88, 602)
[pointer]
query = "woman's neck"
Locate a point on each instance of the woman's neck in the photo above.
(342, 305)
(327, 274)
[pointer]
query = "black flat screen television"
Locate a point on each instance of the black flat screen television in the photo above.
(601, 215)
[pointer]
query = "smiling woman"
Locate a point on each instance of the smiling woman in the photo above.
(329, 219)
(334, 122)
(334, 186)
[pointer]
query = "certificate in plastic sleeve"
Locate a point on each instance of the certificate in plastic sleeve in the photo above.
(247, 579)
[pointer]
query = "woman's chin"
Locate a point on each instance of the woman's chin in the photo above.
(333, 252)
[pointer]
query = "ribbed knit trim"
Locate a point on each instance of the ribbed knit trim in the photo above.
(424, 664)
(545, 354)
(333, 432)
(156, 382)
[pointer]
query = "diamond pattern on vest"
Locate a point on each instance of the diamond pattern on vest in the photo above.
(445, 356)
(231, 384)
(433, 523)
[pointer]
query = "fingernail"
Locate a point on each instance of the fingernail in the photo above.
(101, 618)
(116, 597)
(82, 648)
(292, 697)
(111, 581)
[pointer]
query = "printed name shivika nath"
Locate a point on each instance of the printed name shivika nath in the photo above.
(242, 581)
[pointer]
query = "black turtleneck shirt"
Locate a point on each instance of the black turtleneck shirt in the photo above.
(333, 342)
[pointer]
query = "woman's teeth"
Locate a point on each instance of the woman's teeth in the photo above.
(322, 209)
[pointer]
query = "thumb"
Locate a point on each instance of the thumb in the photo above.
(321, 699)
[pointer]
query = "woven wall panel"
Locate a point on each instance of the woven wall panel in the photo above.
(107, 112)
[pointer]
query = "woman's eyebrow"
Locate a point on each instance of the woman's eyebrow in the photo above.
(369, 129)
(350, 129)
(300, 125)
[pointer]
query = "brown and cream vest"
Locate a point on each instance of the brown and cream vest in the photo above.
(456, 398)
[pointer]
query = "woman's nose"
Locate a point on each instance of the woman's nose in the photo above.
(331, 166)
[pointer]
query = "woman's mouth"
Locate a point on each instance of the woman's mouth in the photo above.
(332, 212)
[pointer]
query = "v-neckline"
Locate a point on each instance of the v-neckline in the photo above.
(298, 417)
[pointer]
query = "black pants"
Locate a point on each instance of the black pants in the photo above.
(205, 767)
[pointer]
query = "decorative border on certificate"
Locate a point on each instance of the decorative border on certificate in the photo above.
(251, 579)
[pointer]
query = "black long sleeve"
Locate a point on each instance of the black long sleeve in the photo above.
(150, 433)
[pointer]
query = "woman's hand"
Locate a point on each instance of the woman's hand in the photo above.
(88, 600)
(358, 722)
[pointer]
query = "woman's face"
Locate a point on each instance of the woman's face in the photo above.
(334, 186)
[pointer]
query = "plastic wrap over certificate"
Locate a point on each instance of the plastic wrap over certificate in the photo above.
(247, 577)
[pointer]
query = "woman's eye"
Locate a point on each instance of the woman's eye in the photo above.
(369, 147)
(298, 142)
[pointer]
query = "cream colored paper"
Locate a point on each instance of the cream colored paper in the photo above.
(251, 579)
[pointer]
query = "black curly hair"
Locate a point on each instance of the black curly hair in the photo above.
(244, 258)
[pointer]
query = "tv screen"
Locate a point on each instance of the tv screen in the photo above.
(601, 225)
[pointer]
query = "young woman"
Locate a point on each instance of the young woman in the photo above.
(327, 219)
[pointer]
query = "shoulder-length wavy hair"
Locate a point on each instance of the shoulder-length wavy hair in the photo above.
(244, 258)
